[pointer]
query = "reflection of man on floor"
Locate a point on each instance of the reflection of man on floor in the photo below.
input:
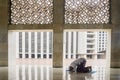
(79, 66)
(81, 76)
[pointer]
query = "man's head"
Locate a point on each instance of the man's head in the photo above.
(83, 61)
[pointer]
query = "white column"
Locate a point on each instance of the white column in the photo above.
(36, 77)
(64, 73)
(29, 42)
(95, 56)
(79, 43)
(35, 37)
(47, 71)
(85, 34)
(29, 72)
(11, 48)
(17, 72)
(95, 45)
(47, 48)
(17, 44)
(23, 44)
(23, 72)
(51, 43)
(69, 45)
(42, 76)
(39, 72)
(33, 72)
(74, 45)
(108, 50)
(64, 45)
(41, 44)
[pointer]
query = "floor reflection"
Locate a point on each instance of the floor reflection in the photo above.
(99, 73)
(30, 72)
(40, 72)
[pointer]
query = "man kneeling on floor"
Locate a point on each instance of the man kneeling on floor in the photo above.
(79, 66)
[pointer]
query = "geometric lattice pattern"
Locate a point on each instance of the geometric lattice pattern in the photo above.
(31, 11)
(86, 11)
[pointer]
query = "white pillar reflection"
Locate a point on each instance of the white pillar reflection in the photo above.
(42, 72)
(31, 72)
(17, 73)
(23, 72)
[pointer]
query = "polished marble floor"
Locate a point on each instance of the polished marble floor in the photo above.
(41, 72)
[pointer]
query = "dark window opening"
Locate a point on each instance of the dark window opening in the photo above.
(66, 56)
(20, 55)
(33, 55)
(76, 55)
(100, 56)
(38, 55)
(71, 56)
(26, 55)
(44, 56)
(50, 55)
(89, 56)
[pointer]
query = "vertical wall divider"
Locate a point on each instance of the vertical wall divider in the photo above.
(35, 38)
(47, 45)
(23, 44)
(29, 42)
